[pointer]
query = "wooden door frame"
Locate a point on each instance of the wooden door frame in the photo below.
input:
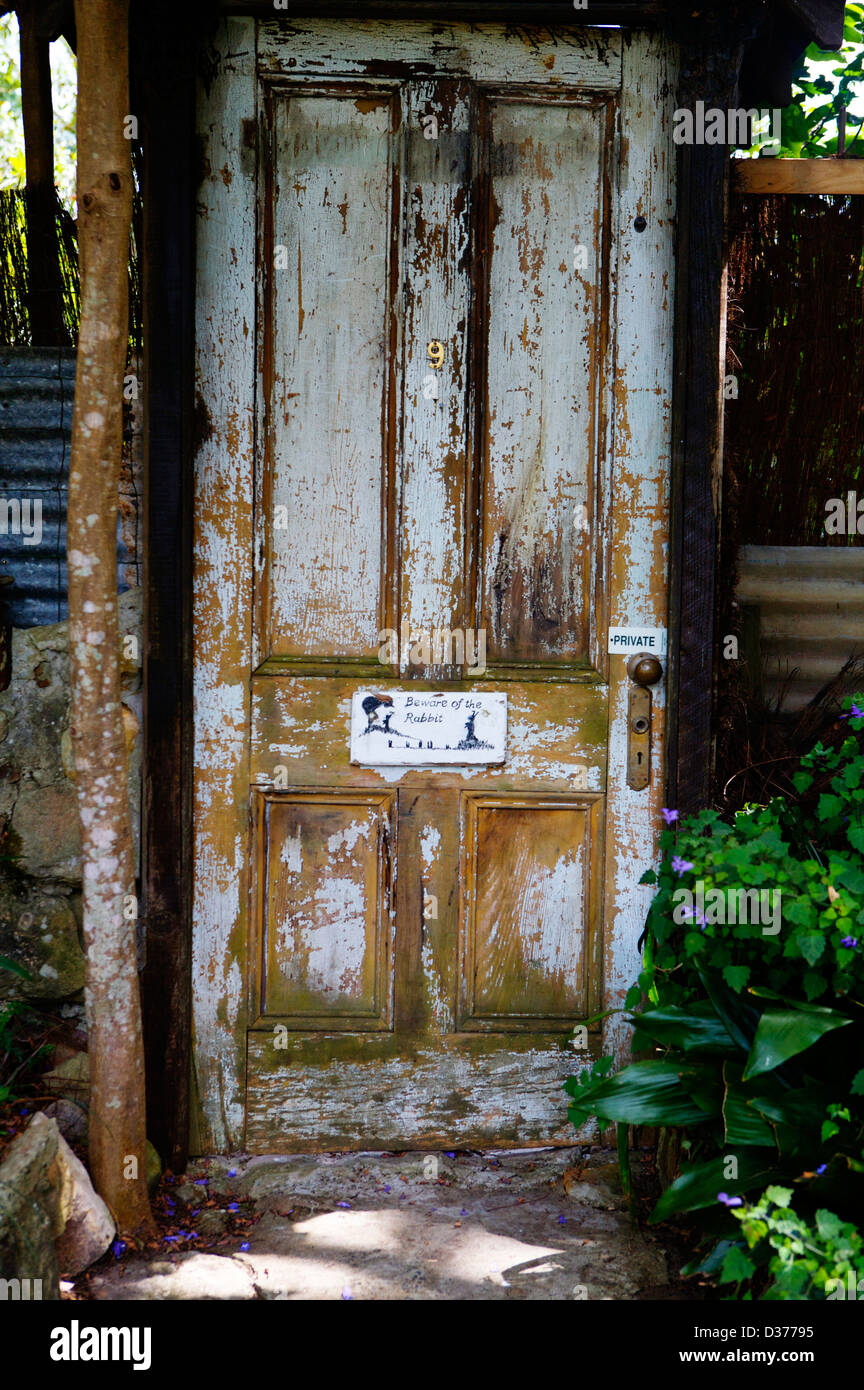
(167, 49)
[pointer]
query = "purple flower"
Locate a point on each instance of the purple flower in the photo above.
(464, 1211)
(386, 1187)
(117, 1248)
(729, 1201)
(245, 1245)
(850, 942)
(346, 1205)
(166, 1240)
(669, 816)
(201, 1182)
(688, 911)
(233, 1206)
(562, 1220)
(680, 865)
(347, 1294)
(853, 713)
(821, 1169)
(449, 1155)
(232, 1172)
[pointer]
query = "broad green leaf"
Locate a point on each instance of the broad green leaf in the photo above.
(736, 1267)
(783, 1033)
(811, 945)
(644, 1093)
(736, 976)
(695, 1029)
(743, 1125)
(698, 1187)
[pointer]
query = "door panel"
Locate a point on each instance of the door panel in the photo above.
(546, 164)
(397, 956)
(328, 384)
(325, 911)
(525, 910)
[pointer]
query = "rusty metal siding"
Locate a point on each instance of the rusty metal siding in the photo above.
(36, 394)
(811, 614)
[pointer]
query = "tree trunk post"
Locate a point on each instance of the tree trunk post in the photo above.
(117, 1123)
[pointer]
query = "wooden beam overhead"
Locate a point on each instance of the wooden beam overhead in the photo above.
(798, 175)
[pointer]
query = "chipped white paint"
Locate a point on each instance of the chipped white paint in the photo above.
(642, 442)
(430, 842)
(327, 594)
(334, 173)
(291, 852)
(481, 52)
(222, 597)
(343, 841)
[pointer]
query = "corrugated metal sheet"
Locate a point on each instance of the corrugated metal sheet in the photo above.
(36, 394)
(811, 614)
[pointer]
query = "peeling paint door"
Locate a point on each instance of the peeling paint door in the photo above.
(434, 341)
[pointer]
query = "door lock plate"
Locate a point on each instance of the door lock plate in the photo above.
(638, 738)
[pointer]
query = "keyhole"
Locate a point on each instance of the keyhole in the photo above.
(638, 757)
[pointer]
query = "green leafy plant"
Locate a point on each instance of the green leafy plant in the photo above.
(824, 85)
(791, 1257)
(752, 1021)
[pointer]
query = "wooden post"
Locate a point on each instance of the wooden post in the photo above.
(709, 73)
(165, 44)
(44, 285)
(117, 1127)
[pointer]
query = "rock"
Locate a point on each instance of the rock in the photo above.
(37, 794)
(89, 1227)
(39, 932)
(194, 1275)
(598, 1187)
(35, 1194)
(595, 1195)
(71, 1120)
(212, 1222)
(45, 821)
(71, 1080)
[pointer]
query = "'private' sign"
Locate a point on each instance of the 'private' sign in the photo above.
(627, 640)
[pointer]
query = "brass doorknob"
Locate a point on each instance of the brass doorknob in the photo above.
(644, 669)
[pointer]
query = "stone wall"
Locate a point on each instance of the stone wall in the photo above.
(40, 865)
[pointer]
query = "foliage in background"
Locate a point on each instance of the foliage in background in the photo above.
(14, 316)
(14, 319)
(824, 84)
(754, 1039)
(794, 434)
(799, 1259)
(64, 92)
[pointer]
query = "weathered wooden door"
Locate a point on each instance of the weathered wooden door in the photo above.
(434, 335)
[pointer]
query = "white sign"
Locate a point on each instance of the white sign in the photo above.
(627, 640)
(401, 728)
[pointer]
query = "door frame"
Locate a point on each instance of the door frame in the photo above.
(167, 50)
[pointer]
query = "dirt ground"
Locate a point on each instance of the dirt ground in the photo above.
(533, 1224)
